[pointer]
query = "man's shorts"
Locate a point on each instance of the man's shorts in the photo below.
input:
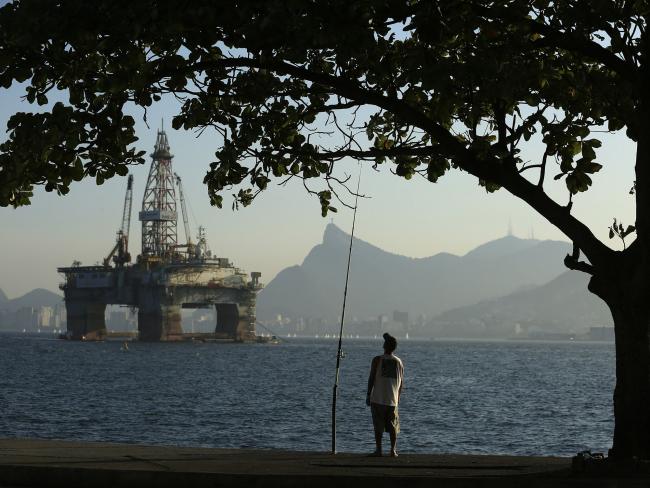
(384, 418)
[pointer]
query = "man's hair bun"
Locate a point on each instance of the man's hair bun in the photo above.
(389, 341)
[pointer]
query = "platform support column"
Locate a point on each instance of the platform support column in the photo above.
(85, 320)
(158, 322)
(236, 321)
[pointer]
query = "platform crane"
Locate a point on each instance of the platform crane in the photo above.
(181, 197)
(120, 252)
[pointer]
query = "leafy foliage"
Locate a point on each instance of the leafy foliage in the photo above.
(619, 230)
(296, 86)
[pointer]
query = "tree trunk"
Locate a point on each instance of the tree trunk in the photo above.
(631, 313)
(625, 287)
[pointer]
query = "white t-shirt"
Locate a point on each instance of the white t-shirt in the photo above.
(388, 379)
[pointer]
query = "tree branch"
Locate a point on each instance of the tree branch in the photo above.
(572, 261)
(569, 42)
(552, 37)
(488, 168)
(367, 154)
(542, 171)
(558, 215)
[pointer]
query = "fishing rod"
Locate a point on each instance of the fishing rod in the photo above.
(339, 353)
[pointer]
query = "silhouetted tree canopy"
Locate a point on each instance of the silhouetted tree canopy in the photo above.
(296, 86)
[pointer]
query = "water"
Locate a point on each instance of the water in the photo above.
(460, 397)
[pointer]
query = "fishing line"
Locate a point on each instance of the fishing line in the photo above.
(339, 353)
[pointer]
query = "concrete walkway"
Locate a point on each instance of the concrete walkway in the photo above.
(45, 463)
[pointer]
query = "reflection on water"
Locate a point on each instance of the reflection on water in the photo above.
(462, 397)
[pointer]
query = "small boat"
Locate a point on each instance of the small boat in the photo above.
(267, 339)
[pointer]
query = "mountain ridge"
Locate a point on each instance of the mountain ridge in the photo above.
(38, 297)
(562, 305)
(381, 281)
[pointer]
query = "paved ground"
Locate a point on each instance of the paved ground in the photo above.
(36, 463)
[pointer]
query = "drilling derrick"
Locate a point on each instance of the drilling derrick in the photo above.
(158, 215)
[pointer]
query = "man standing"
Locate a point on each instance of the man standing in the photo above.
(384, 388)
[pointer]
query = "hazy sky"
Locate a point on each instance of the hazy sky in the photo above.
(414, 218)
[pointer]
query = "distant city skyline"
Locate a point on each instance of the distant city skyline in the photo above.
(413, 218)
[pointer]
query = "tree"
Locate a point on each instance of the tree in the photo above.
(296, 86)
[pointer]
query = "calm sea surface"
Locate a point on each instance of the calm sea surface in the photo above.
(461, 397)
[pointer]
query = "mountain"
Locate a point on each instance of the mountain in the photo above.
(381, 282)
(38, 297)
(501, 247)
(562, 305)
(3, 298)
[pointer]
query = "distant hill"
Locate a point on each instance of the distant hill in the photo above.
(381, 282)
(562, 305)
(3, 297)
(501, 247)
(38, 297)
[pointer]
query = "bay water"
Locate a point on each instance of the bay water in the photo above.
(509, 397)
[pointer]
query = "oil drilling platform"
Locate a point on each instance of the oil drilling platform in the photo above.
(167, 275)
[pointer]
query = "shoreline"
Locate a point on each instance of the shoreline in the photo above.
(53, 463)
(118, 336)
